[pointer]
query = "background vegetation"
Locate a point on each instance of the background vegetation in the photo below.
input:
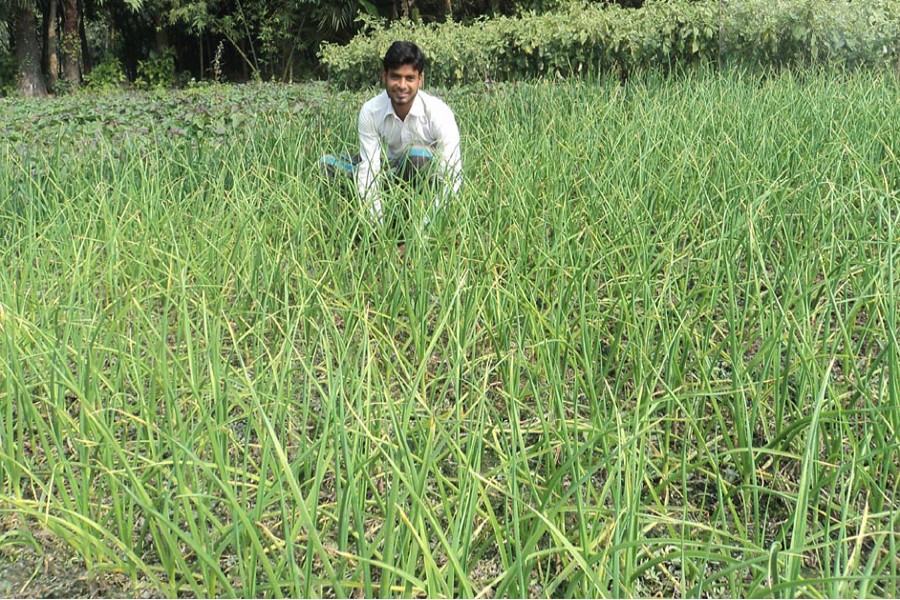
(57, 44)
(60, 45)
(650, 349)
(597, 38)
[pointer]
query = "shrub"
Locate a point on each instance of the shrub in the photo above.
(157, 71)
(106, 76)
(9, 73)
(599, 38)
(576, 39)
(786, 31)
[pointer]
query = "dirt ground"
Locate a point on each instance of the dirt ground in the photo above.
(34, 564)
(27, 573)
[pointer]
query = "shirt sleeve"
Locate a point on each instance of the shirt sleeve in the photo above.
(369, 161)
(449, 156)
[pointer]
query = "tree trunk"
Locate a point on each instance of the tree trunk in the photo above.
(245, 64)
(51, 45)
(86, 64)
(161, 38)
(408, 9)
(71, 42)
(448, 9)
(28, 54)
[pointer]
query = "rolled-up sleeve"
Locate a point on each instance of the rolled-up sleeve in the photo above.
(369, 160)
(449, 155)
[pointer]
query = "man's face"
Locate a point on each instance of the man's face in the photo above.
(402, 84)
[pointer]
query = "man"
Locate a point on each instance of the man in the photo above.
(418, 132)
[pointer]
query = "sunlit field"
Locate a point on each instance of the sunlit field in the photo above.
(650, 349)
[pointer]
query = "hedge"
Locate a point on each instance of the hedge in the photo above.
(598, 38)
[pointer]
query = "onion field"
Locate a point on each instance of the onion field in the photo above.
(650, 349)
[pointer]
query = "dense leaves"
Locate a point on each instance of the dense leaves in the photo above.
(165, 43)
(204, 39)
(598, 38)
(206, 112)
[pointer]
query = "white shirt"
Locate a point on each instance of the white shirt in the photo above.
(429, 125)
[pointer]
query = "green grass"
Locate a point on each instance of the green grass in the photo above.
(650, 349)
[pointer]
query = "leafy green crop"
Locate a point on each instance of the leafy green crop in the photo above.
(204, 113)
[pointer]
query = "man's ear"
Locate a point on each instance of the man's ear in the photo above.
(383, 77)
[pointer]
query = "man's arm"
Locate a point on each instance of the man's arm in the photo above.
(369, 163)
(449, 159)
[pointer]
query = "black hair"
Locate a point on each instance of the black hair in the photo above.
(404, 53)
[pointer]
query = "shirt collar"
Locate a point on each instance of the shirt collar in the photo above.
(417, 110)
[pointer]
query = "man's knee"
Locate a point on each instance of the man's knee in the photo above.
(415, 162)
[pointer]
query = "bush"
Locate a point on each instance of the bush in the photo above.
(157, 71)
(598, 38)
(106, 76)
(578, 38)
(9, 73)
(838, 31)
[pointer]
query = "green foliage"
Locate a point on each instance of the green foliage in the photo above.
(8, 74)
(274, 38)
(106, 76)
(204, 112)
(157, 71)
(576, 39)
(64, 87)
(599, 38)
(841, 31)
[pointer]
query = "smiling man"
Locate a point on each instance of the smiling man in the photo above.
(415, 130)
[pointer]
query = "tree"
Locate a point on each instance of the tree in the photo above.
(408, 9)
(265, 39)
(50, 60)
(272, 37)
(28, 50)
(71, 42)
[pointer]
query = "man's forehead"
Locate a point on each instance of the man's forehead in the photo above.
(403, 70)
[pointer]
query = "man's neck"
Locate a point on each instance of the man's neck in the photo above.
(402, 111)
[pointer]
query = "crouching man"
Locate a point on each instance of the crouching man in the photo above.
(416, 131)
